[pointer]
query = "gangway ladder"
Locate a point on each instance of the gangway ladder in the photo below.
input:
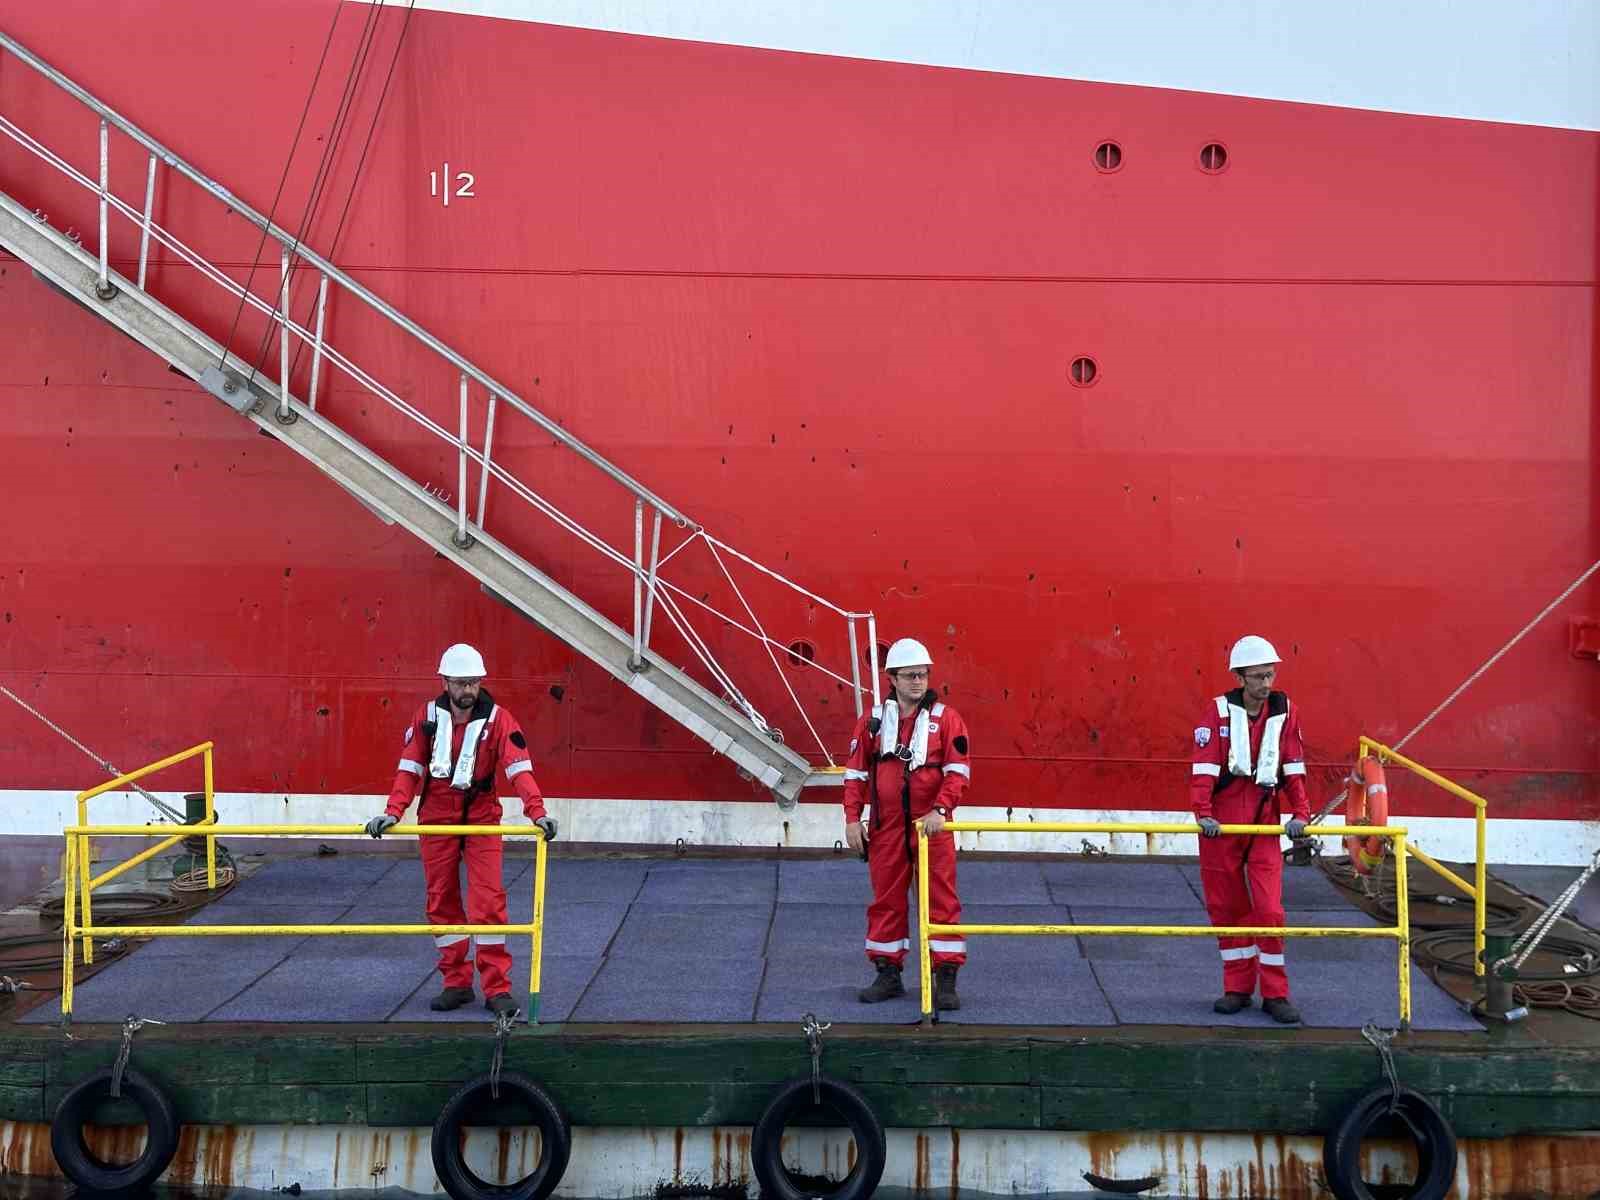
(729, 726)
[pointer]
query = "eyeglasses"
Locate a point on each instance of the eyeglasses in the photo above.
(459, 683)
(911, 676)
(1258, 676)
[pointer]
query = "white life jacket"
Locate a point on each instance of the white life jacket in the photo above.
(1238, 733)
(889, 744)
(461, 774)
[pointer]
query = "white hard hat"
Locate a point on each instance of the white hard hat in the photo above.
(1252, 651)
(461, 661)
(907, 652)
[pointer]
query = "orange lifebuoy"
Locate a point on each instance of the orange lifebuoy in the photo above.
(1368, 804)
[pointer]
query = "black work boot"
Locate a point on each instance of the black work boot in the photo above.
(886, 986)
(944, 988)
(501, 1005)
(1281, 1011)
(1232, 1002)
(452, 998)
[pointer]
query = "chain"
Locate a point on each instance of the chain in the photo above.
(1380, 1041)
(170, 812)
(130, 1027)
(502, 1030)
(1547, 920)
(813, 1032)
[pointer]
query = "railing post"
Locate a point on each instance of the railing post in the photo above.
(924, 955)
(69, 925)
(872, 653)
(85, 886)
(855, 663)
(488, 447)
(316, 346)
(1480, 882)
(211, 819)
(283, 338)
(103, 288)
(637, 661)
(650, 582)
(537, 953)
(461, 539)
(1402, 896)
(149, 209)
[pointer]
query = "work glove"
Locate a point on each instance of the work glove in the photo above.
(381, 824)
(548, 824)
(1209, 827)
(1295, 828)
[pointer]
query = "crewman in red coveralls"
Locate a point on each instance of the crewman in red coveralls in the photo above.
(451, 751)
(1247, 748)
(909, 760)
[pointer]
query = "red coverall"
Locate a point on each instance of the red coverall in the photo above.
(892, 846)
(1243, 876)
(501, 746)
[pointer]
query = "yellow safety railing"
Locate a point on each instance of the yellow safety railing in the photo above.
(1478, 890)
(87, 884)
(1400, 931)
(76, 878)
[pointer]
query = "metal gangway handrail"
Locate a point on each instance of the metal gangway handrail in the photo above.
(1400, 931)
(649, 586)
(1476, 891)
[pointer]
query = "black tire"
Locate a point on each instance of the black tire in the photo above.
(555, 1134)
(766, 1143)
(1415, 1113)
(79, 1164)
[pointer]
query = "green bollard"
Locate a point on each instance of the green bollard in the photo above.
(193, 857)
(1499, 987)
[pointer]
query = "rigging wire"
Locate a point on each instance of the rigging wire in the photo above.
(282, 180)
(324, 173)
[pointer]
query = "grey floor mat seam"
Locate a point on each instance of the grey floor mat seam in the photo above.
(1105, 995)
(605, 951)
(766, 942)
(295, 945)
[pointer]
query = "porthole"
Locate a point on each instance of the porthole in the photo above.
(1083, 372)
(1213, 158)
(1108, 157)
(801, 652)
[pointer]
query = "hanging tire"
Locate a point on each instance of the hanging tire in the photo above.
(555, 1137)
(79, 1164)
(1434, 1139)
(766, 1143)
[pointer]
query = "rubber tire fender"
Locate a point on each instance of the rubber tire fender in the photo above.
(1435, 1142)
(766, 1143)
(555, 1135)
(79, 1164)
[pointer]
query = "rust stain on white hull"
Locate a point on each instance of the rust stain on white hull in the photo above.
(618, 1162)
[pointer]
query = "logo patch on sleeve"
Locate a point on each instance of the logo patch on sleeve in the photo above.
(1202, 735)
